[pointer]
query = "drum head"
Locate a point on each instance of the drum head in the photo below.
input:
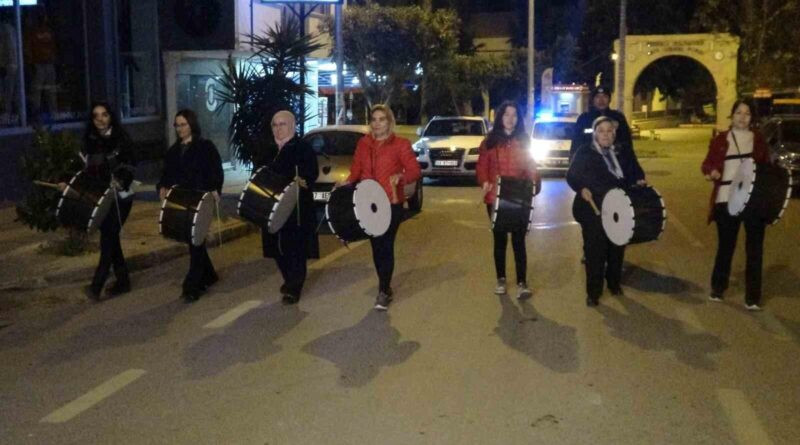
(618, 217)
(202, 219)
(741, 187)
(283, 208)
(372, 208)
(101, 210)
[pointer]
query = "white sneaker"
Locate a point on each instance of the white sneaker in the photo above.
(753, 307)
(523, 291)
(501, 287)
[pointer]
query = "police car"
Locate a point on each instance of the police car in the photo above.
(551, 138)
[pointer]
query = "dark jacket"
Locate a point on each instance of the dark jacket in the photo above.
(298, 154)
(105, 157)
(584, 122)
(588, 170)
(199, 167)
(715, 160)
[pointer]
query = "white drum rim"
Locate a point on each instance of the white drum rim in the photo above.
(737, 202)
(202, 209)
(377, 196)
(281, 213)
(608, 218)
(100, 203)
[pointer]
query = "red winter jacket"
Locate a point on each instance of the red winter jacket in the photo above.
(511, 158)
(379, 160)
(715, 159)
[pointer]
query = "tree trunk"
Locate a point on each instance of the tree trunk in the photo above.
(486, 104)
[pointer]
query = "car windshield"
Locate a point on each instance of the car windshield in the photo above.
(790, 130)
(553, 130)
(334, 143)
(454, 127)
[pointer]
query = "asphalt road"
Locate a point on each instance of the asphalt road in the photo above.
(449, 363)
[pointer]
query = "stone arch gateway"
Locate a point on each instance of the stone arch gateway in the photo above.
(718, 53)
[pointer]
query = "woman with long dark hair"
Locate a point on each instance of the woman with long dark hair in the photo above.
(193, 163)
(108, 156)
(725, 152)
(505, 152)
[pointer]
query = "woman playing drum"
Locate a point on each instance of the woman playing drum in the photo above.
(296, 241)
(725, 152)
(108, 157)
(504, 153)
(388, 159)
(193, 163)
(597, 168)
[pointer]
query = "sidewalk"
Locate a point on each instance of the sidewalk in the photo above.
(23, 264)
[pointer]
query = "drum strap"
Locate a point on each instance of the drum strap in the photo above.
(219, 223)
(119, 215)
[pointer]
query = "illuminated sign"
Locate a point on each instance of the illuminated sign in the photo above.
(21, 3)
(330, 2)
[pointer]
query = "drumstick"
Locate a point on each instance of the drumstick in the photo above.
(394, 191)
(297, 175)
(46, 184)
(594, 207)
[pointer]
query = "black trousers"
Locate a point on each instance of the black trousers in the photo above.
(603, 258)
(383, 250)
(291, 257)
(517, 244)
(201, 271)
(110, 247)
(727, 232)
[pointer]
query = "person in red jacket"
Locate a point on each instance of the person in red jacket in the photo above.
(505, 152)
(725, 152)
(388, 159)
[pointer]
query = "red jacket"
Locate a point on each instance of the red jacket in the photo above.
(379, 160)
(715, 160)
(509, 159)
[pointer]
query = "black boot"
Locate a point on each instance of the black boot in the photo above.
(123, 283)
(94, 290)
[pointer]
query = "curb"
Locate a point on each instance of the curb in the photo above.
(231, 230)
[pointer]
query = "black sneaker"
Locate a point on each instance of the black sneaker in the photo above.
(592, 301)
(289, 299)
(119, 288)
(382, 301)
(616, 290)
(92, 293)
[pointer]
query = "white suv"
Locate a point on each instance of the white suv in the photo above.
(448, 145)
(550, 142)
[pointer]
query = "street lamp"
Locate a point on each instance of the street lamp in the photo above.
(531, 53)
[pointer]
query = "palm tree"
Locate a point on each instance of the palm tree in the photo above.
(264, 84)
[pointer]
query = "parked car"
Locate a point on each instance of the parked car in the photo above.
(335, 146)
(782, 134)
(448, 146)
(550, 142)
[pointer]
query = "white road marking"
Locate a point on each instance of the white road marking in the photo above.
(548, 226)
(743, 418)
(93, 397)
(322, 262)
(689, 318)
(233, 314)
(774, 326)
(684, 231)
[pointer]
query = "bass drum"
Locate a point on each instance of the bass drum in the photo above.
(359, 211)
(513, 207)
(759, 191)
(633, 215)
(186, 215)
(268, 199)
(85, 203)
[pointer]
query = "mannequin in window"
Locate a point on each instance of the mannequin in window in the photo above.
(40, 42)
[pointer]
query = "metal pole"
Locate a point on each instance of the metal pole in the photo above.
(531, 54)
(623, 31)
(21, 105)
(339, 119)
(302, 110)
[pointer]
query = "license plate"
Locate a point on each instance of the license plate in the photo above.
(447, 163)
(322, 196)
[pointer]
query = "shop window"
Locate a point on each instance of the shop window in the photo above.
(9, 68)
(54, 58)
(138, 51)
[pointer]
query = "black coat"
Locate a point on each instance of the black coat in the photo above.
(198, 168)
(580, 137)
(298, 154)
(109, 156)
(588, 169)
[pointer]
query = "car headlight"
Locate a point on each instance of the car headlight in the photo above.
(419, 148)
(539, 150)
(474, 151)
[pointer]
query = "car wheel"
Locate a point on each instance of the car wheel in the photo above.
(415, 200)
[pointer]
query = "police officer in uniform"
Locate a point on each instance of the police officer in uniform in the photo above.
(600, 99)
